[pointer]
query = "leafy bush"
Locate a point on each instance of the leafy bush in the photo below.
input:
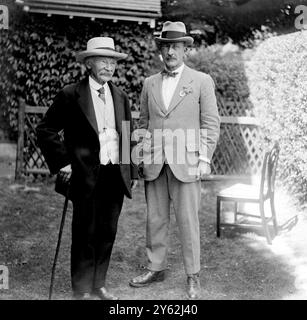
(272, 78)
(277, 80)
(257, 36)
(37, 58)
(226, 66)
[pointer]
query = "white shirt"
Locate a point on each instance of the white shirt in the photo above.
(105, 117)
(169, 85)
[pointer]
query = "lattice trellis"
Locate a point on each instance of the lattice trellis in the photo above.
(235, 108)
(29, 157)
(33, 158)
(238, 151)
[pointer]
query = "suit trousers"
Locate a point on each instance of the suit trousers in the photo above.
(94, 228)
(186, 201)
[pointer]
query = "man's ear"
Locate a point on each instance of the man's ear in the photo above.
(158, 46)
(187, 50)
(87, 63)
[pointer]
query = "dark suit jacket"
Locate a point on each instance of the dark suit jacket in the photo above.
(73, 112)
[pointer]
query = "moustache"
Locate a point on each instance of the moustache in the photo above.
(104, 73)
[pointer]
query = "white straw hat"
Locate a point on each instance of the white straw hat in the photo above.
(100, 46)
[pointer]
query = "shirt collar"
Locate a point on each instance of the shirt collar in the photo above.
(179, 70)
(95, 85)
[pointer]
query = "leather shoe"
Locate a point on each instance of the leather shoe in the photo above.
(103, 294)
(147, 278)
(82, 296)
(193, 289)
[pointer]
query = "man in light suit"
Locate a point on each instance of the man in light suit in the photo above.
(179, 113)
(96, 118)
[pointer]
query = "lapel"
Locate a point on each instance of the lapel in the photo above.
(184, 81)
(86, 103)
(157, 92)
(118, 102)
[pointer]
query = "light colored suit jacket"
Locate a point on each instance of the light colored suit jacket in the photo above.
(187, 129)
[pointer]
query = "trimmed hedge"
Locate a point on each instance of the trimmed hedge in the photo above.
(272, 78)
(37, 57)
(278, 90)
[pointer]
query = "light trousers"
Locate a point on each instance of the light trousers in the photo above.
(160, 193)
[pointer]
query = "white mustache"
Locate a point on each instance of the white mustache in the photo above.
(103, 73)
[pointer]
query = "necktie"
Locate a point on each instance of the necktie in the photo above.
(166, 73)
(101, 94)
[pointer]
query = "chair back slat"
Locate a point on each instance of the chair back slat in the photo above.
(264, 174)
(268, 172)
(272, 166)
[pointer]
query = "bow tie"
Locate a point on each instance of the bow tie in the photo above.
(166, 73)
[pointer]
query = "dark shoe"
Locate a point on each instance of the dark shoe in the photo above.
(82, 296)
(193, 289)
(103, 294)
(147, 278)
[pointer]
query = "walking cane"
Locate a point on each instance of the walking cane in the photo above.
(59, 237)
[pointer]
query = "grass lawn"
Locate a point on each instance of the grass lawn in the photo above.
(239, 265)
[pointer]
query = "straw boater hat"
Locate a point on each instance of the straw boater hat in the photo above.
(100, 46)
(174, 32)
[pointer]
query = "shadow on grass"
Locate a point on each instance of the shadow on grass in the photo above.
(289, 224)
(246, 226)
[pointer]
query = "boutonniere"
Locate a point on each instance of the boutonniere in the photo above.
(185, 91)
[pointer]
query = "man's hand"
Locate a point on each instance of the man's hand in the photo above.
(134, 183)
(66, 172)
(141, 170)
(203, 170)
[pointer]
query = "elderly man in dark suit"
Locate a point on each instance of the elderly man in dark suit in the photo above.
(96, 119)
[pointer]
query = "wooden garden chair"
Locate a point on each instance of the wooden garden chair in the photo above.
(242, 193)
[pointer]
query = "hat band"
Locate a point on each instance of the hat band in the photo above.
(105, 48)
(172, 34)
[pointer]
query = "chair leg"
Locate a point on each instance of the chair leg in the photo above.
(218, 216)
(236, 211)
(273, 213)
(264, 223)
